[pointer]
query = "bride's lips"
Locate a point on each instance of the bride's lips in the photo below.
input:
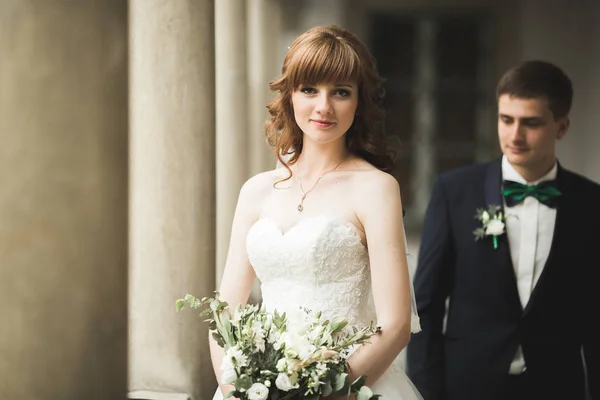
(322, 123)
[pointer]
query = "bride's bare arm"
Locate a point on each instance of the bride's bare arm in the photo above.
(238, 275)
(381, 216)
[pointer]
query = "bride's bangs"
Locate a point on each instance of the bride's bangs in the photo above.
(327, 61)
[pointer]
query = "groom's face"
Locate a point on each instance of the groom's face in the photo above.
(528, 132)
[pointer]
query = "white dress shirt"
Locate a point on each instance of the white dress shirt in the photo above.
(529, 228)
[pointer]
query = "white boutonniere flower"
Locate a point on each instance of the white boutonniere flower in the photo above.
(492, 223)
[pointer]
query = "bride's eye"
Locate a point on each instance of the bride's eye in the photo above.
(343, 93)
(307, 90)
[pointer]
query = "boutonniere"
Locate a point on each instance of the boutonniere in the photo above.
(492, 223)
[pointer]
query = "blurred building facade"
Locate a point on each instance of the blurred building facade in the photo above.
(193, 77)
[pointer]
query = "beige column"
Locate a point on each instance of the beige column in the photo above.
(425, 112)
(172, 195)
(264, 65)
(63, 199)
(232, 117)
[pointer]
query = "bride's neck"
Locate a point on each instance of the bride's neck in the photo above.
(314, 162)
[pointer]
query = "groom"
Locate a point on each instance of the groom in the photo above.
(522, 297)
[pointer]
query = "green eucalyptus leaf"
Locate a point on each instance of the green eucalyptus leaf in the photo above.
(215, 305)
(243, 382)
(188, 297)
(340, 382)
(218, 339)
(326, 389)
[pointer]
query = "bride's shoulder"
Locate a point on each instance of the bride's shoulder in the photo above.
(368, 178)
(260, 185)
(377, 193)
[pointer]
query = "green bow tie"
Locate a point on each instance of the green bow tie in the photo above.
(546, 192)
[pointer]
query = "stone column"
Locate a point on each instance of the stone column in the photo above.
(263, 66)
(63, 199)
(172, 201)
(425, 116)
(232, 117)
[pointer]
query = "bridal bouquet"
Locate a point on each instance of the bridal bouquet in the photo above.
(290, 356)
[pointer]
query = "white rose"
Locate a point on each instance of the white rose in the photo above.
(258, 391)
(494, 227)
(228, 376)
(283, 382)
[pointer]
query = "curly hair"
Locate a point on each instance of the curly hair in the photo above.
(329, 54)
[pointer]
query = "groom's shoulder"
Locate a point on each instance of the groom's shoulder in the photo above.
(467, 174)
(583, 184)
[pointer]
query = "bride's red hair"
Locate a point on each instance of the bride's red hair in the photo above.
(329, 54)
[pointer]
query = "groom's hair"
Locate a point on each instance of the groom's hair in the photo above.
(539, 79)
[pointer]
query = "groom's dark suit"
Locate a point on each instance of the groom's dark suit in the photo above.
(486, 321)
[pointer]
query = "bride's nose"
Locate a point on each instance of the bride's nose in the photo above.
(324, 104)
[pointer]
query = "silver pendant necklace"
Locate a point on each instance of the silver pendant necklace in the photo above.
(300, 207)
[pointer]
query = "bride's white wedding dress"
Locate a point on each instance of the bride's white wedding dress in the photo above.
(321, 264)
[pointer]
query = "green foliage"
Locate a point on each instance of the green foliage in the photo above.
(270, 352)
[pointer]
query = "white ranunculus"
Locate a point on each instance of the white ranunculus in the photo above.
(228, 376)
(258, 391)
(283, 382)
(494, 227)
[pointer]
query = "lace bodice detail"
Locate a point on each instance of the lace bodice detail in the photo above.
(320, 263)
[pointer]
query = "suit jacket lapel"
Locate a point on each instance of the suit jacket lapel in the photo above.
(492, 193)
(493, 184)
(557, 237)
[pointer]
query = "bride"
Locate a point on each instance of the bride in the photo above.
(326, 231)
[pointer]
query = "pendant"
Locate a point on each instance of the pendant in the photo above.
(300, 205)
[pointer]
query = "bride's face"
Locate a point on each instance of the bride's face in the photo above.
(325, 112)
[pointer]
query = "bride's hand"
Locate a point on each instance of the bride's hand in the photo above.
(226, 389)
